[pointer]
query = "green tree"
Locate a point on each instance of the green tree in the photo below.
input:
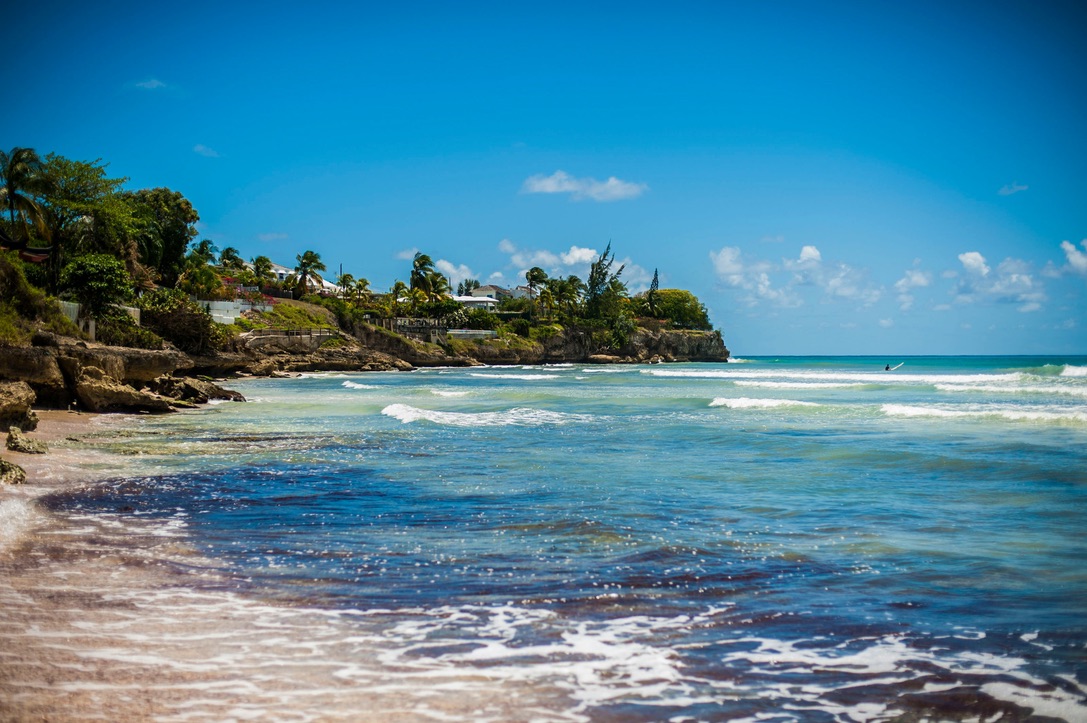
(535, 277)
(604, 291)
(22, 181)
(360, 292)
(437, 286)
(97, 281)
(262, 269)
(422, 271)
(683, 309)
(652, 297)
(201, 281)
(305, 272)
(230, 259)
(467, 286)
(86, 213)
(203, 253)
(171, 221)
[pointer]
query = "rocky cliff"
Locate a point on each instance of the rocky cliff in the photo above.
(59, 372)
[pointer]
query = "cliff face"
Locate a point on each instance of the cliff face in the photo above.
(575, 345)
(54, 368)
(100, 378)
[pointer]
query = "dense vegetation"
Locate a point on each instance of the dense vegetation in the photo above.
(84, 237)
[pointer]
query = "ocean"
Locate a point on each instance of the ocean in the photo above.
(772, 539)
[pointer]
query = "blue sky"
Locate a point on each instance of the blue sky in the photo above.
(838, 178)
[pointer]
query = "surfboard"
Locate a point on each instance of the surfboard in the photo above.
(896, 367)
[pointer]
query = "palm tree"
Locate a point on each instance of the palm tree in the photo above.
(204, 251)
(262, 269)
(309, 263)
(417, 297)
(22, 178)
(422, 268)
(361, 290)
(398, 292)
(437, 286)
(535, 276)
(346, 282)
(230, 259)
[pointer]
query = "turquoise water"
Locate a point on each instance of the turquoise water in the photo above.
(775, 538)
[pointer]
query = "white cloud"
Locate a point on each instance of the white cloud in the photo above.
(456, 273)
(913, 279)
(579, 255)
(580, 189)
(1077, 260)
(407, 254)
(754, 278)
(1011, 283)
(974, 263)
(203, 150)
(768, 239)
(150, 84)
(506, 246)
(271, 236)
(838, 280)
(497, 276)
(886, 323)
(1012, 188)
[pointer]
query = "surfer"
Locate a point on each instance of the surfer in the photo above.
(887, 368)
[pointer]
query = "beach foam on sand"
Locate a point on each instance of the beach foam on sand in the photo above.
(114, 616)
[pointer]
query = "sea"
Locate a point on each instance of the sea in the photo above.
(771, 539)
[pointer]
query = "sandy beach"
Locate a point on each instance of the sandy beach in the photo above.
(114, 617)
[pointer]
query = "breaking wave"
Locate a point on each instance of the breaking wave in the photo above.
(1014, 415)
(520, 416)
(748, 403)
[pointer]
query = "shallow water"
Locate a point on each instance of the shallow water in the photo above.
(776, 539)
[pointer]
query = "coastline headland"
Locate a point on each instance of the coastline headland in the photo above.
(63, 372)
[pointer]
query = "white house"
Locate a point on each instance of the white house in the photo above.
(477, 302)
(495, 292)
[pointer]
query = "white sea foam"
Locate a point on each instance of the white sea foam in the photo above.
(521, 416)
(15, 517)
(837, 377)
(450, 392)
(1014, 389)
(356, 385)
(798, 385)
(748, 403)
(519, 377)
(1073, 371)
(1078, 416)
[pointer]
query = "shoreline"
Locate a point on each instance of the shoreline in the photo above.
(116, 615)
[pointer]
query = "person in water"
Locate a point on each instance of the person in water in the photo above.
(887, 368)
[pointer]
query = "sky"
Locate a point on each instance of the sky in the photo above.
(827, 177)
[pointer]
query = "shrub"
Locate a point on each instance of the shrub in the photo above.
(480, 319)
(521, 327)
(115, 327)
(173, 316)
(23, 307)
(97, 281)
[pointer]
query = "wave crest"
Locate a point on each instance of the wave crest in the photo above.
(519, 416)
(749, 403)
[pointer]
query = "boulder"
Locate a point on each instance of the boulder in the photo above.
(198, 391)
(15, 401)
(19, 442)
(604, 359)
(11, 474)
(38, 367)
(98, 392)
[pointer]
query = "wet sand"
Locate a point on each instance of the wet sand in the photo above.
(115, 617)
